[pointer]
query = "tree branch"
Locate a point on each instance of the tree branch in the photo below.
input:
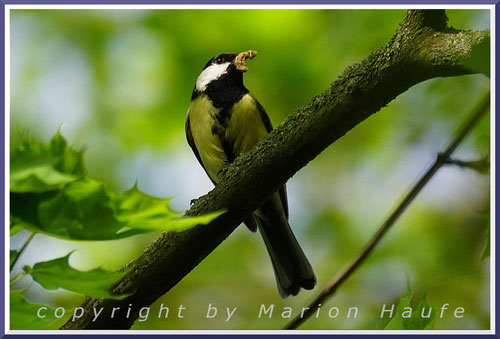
(421, 49)
(441, 159)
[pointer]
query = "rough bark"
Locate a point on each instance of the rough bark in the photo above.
(422, 48)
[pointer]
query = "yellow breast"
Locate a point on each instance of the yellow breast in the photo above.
(244, 129)
(202, 118)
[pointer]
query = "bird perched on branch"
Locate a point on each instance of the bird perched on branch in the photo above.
(225, 120)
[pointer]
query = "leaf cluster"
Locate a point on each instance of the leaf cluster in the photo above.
(52, 193)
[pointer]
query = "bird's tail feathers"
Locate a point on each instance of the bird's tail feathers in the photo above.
(291, 267)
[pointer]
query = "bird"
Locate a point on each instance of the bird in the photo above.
(225, 120)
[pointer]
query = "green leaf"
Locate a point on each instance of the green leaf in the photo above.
(87, 210)
(82, 210)
(415, 321)
(36, 167)
(57, 273)
(398, 322)
(39, 178)
(13, 257)
(23, 314)
(141, 211)
(54, 195)
(69, 160)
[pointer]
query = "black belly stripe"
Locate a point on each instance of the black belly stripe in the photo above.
(220, 131)
(224, 93)
(228, 149)
(223, 116)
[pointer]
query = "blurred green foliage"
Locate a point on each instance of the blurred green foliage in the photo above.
(407, 318)
(51, 193)
(21, 314)
(36, 167)
(121, 81)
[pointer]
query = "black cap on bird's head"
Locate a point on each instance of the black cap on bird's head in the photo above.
(221, 59)
(236, 60)
(225, 68)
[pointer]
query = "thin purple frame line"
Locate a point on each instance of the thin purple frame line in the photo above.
(497, 145)
(2, 125)
(2, 171)
(249, 2)
(247, 336)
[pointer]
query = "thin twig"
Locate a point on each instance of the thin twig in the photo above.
(481, 165)
(23, 248)
(441, 159)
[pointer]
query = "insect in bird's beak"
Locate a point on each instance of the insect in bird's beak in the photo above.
(240, 60)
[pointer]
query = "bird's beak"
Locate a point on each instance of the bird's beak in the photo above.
(240, 60)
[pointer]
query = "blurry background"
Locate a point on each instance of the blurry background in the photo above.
(120, 81)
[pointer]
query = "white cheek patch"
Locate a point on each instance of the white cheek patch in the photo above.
(209, 74)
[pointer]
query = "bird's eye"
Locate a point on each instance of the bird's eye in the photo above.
(219, 60)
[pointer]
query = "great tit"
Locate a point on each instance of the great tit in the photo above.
(225, 120)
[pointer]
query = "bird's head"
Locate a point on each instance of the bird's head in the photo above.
(224, 68)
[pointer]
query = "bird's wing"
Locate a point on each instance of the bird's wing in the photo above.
(190, 140)
(251, 221)
(263, 115)
(269, 128)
